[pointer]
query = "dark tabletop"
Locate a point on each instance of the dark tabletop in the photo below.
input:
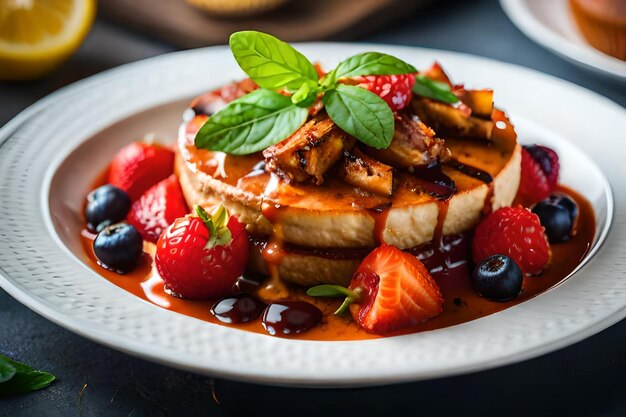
(588, 378)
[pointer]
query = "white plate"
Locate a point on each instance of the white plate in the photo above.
(550, 24)
(51, 153)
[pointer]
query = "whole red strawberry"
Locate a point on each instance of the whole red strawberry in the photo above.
(515, 232)
(540, 173)
(202, 257)
(138, 166)
(394, 89)
(157, 208)
(390, 290)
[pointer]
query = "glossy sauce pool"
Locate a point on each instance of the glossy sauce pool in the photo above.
(461, 302)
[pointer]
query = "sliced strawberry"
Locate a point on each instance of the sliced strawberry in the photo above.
(515, 232)
(540, 173)
(157, 208)
(138, 166)
(390, 290)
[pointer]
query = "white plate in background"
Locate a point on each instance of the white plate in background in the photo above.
(550, 24)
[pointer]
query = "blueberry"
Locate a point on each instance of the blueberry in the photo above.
(497, 278)
(566, 201)
(557, 215)
(106, 205)
(118, 247)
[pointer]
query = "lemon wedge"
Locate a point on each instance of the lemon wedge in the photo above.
(37, 35)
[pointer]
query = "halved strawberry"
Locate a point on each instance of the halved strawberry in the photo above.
(138, 166)
(158, 208)
(390, 290)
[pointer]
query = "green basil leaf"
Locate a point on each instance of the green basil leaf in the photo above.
(270, 62)
(6, 370)
(435, 90)
(26, 379)
(361, 114)
(251, 123)
(371, 63)
(305, 95)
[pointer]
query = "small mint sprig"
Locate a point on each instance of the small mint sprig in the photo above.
(265, 117)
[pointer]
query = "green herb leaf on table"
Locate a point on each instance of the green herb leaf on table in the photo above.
(361, 114)
(6, 370)
(371, 63)
(25, 378)
(435, 90)
(270, 62)
(251, 123)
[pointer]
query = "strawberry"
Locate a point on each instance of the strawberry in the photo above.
(157, 208)
(394, 89)
(202, 257)
(540, 173)
(390, 290)
(138, 166)
(515, 232)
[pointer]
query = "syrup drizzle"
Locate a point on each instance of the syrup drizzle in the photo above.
(273, 252)
(433, 181)
(471, 171)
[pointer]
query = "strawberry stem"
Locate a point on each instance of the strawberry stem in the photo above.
(327, 290)
(219, 233)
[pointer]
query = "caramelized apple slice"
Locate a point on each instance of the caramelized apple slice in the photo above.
(413, 145)
(480, 101)
(436, 73)
(310, 152)
(365, 172)
(450, 120)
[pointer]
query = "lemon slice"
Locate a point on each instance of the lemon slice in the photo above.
(37, 35)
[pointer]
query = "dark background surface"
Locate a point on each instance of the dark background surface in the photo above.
(588, 378)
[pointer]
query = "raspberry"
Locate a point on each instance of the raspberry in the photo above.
(515, 232)
(540, 173)
(394, 89)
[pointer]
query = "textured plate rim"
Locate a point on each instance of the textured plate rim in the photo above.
(366, 379)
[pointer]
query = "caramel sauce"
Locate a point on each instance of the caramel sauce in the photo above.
(461, 302)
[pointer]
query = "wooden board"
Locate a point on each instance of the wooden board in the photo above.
(185, 26)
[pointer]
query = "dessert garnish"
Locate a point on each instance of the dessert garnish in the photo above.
(118, 247)
(106, 205)
(540, 173)
(515, 232)
(138, 166)
(398, 191)
(291, 87)
(390, 290)
(497, 278)
(157, 208)
(558, 215)
(201, 257)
